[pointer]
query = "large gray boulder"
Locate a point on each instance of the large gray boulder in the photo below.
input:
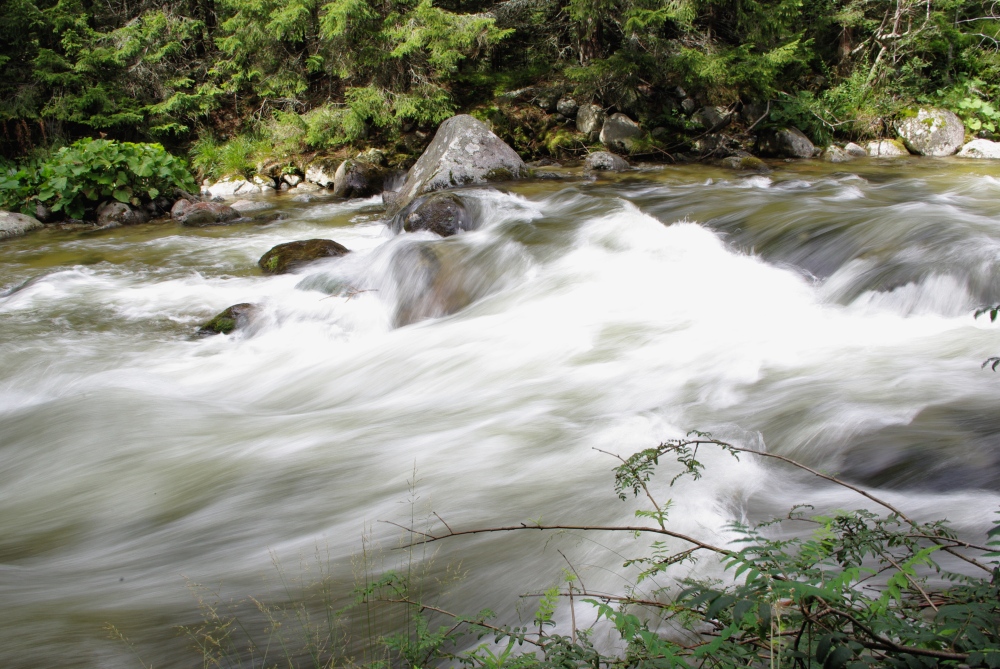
(589, 119)
(358, 178)
(786, 143)
(619, 133)
(981, 148)
(463, 152)
(13, 224)
(932, 132)
(602, 161)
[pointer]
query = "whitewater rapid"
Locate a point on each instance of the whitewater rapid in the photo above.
(827, 316)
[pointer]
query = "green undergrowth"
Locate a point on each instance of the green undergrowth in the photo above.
(76, 178)
(851, 588)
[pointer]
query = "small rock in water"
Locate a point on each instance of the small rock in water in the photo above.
(202, 214)
(292, 255)
(853, 149)
(305, 197)
(441, 213)
(233, 318)
(13, 224)
(981, 148)
(887, 148)
(835, 154)
(746, 164)
(602, 161)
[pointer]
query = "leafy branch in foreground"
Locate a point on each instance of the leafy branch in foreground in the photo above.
(852, 588)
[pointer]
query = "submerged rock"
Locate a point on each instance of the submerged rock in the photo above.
(13, 224)
(441, 213)
(233, 318)
(602, 161)
(746, 164)
(463, 152)
(932, 132)
(248, 206)
(292, 255)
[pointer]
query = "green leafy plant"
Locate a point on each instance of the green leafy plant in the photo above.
(77, 177)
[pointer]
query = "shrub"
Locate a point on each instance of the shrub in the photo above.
(89, 171)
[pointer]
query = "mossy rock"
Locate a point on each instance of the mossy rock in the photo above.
(292, 255)
(233, 318)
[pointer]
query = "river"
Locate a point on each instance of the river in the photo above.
(821, 312)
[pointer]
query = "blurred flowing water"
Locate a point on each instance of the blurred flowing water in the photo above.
(825, 313)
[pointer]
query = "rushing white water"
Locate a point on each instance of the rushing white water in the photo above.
(826, 316)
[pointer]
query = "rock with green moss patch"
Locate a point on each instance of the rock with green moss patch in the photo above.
(619, 133)
(292, 255)
(887, 148)
(932, 132)
(233, 318)
(463, 152)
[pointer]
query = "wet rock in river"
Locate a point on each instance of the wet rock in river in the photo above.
(292, 255)
(13, 224)
(602, 161)
(441, 213)
(233, 318)
(981, 148)
(202, 214)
